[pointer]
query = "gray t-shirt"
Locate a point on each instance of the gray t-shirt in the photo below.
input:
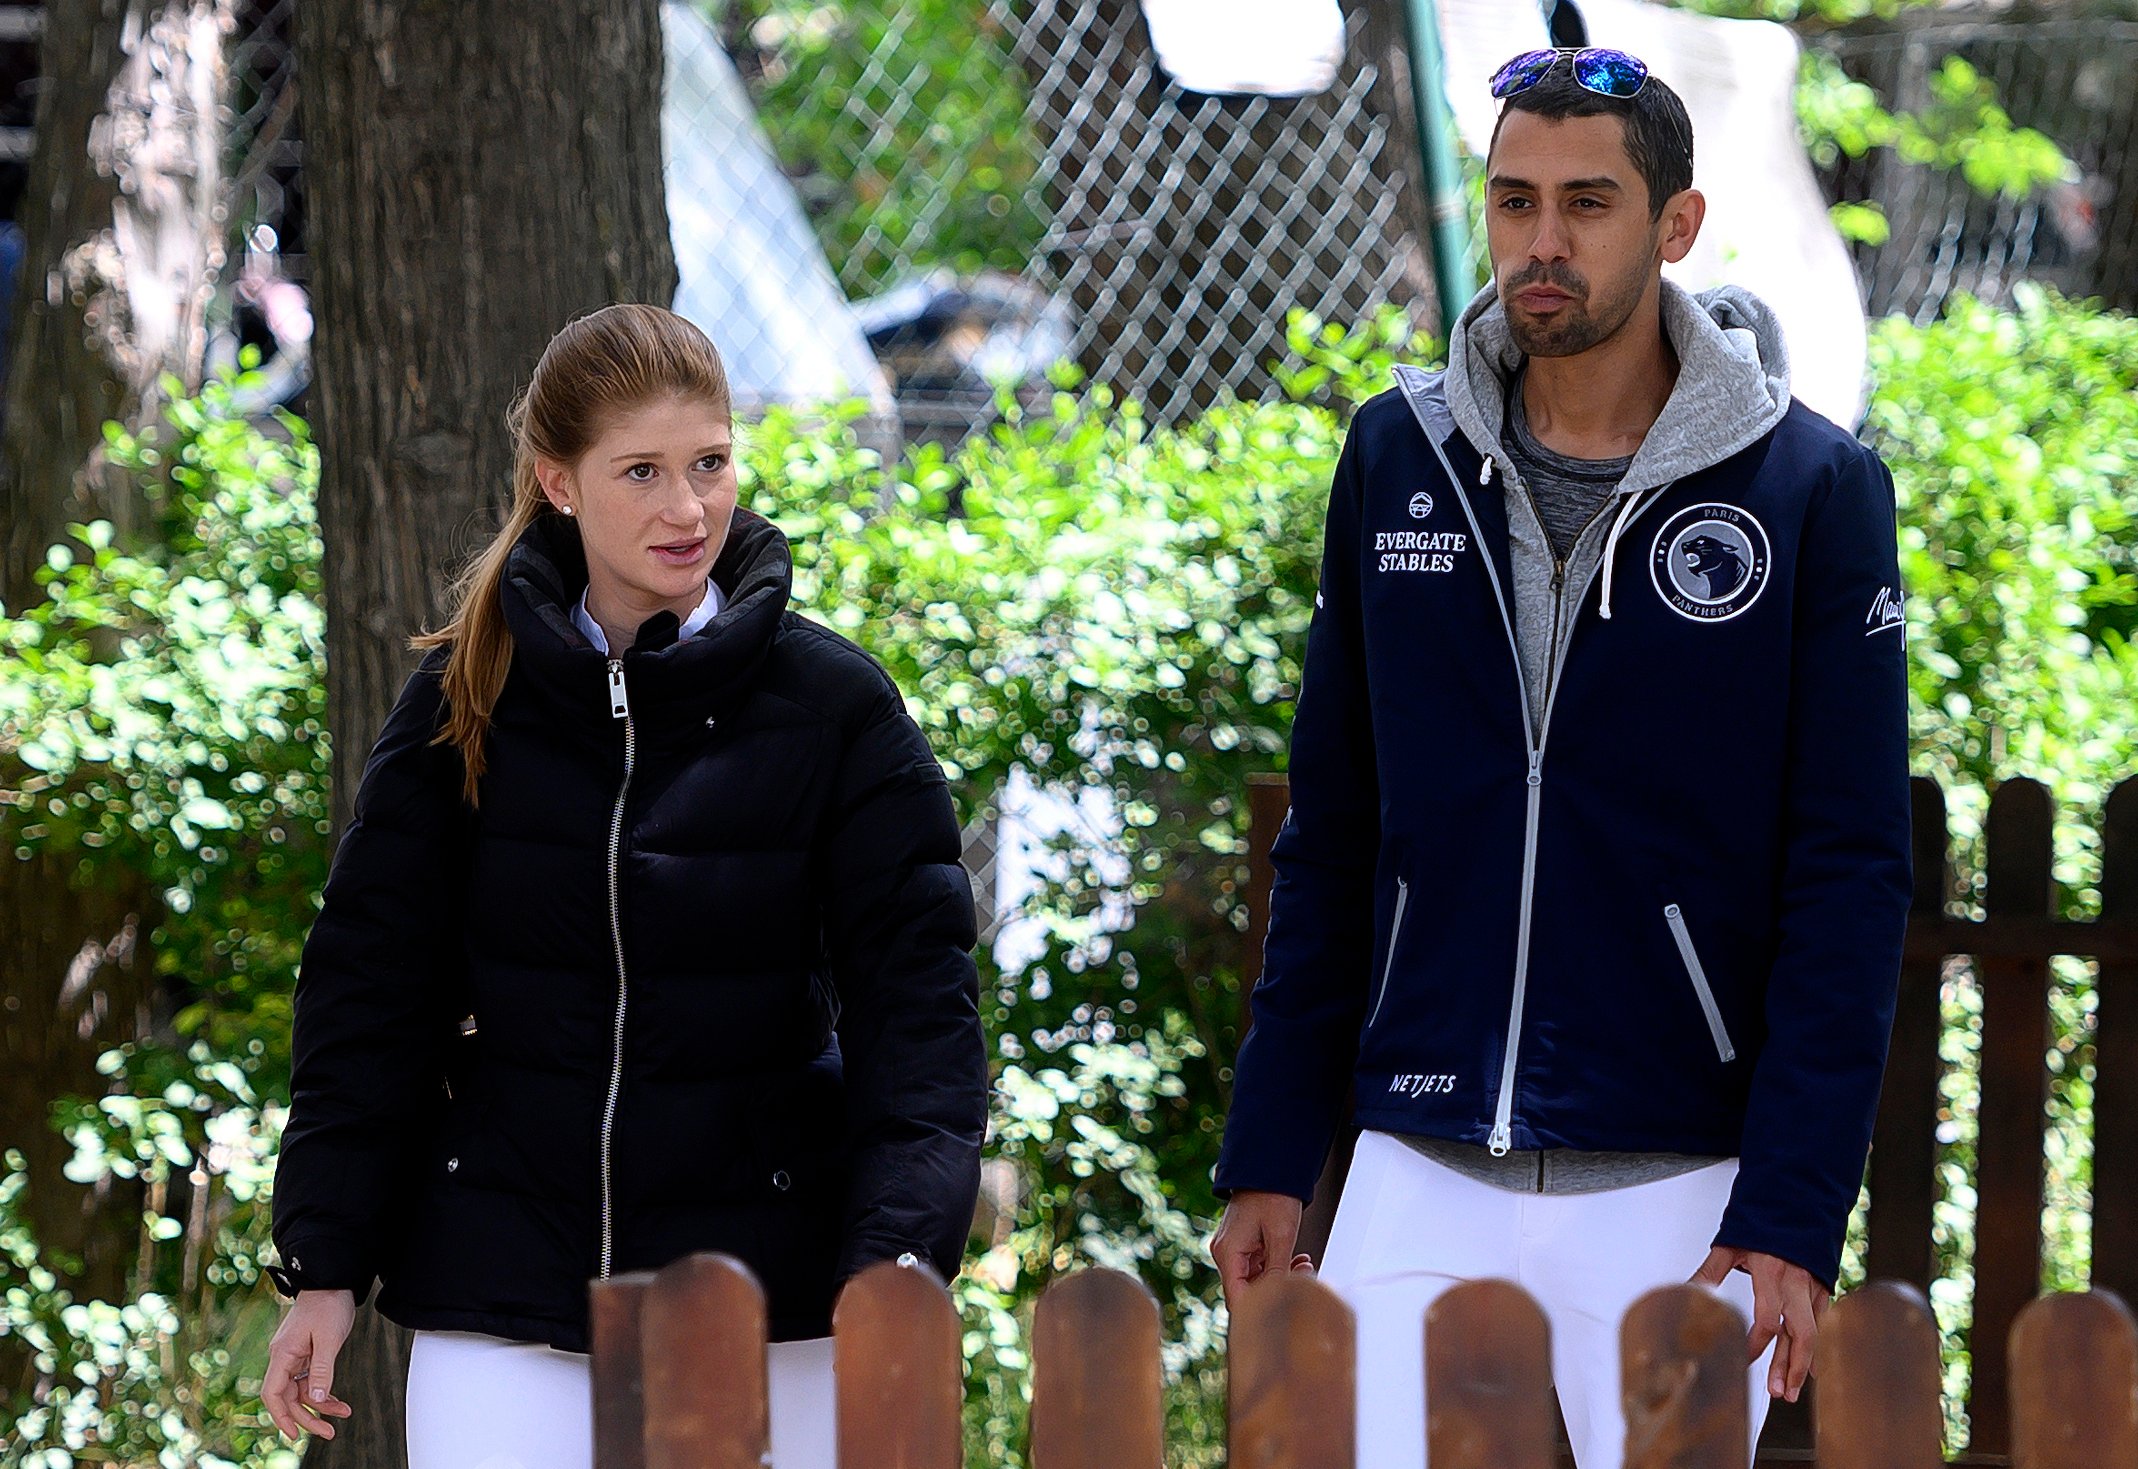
(1568, 493)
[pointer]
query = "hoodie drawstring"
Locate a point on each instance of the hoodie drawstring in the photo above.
(1610, 555)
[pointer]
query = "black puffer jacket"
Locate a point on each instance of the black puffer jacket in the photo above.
(717, 959)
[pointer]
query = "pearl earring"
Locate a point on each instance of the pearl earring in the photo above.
(568, 510)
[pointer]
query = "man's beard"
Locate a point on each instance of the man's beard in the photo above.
(1575, 327)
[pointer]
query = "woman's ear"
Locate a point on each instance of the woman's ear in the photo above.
(556, 483)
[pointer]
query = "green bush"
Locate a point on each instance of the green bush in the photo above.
(2013, 436)
(1084, 599)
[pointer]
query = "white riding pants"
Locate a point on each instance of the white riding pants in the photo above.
(477, 1402)
(1408, 1228)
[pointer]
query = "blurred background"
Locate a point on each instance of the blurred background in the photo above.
(1045, 319)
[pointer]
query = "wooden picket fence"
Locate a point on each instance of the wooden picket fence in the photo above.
(680, 1377)
(2011, 948)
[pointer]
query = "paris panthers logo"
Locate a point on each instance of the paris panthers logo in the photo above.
(1710, 562)
(1716, 563)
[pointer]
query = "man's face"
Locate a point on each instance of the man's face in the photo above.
(1575, 247)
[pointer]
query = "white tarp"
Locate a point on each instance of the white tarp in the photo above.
(1767, 227)
(750, 271)
(1277, 48)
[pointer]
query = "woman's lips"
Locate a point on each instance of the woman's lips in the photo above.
(681, 553)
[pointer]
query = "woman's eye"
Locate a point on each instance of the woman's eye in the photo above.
(640, 473)
(712, 463)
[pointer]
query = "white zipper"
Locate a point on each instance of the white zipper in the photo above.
(619, 708)
(1395, 936)
(1675, 917)
(1501, 1139)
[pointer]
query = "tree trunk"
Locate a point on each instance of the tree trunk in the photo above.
(123, 237)
(123, 221)
(480, 172)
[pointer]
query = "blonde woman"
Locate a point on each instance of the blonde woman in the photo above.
(649, 937)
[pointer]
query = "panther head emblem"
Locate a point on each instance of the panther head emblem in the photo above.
(1717, 562)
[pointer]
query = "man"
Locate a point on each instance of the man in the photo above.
(1593, 887)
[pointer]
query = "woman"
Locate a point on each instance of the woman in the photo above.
(649, 937)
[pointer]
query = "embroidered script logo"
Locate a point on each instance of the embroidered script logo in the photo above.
(1885, 612)
(1413, 1084)
(1710, 562)
(1421, 505)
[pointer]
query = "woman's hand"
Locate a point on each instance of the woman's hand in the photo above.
(299, 1390)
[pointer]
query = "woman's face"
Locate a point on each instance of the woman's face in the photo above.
(654, 497)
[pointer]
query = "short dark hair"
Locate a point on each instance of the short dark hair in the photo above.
(1659, 136)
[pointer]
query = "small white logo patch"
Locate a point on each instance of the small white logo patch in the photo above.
(1421, 505)
(1886, 611)
(1710, 562)
(1414, 1084)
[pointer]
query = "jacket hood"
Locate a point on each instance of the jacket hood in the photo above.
(1733, 380)
(684, 683)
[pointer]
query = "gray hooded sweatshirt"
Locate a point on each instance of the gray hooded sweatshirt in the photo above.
(1733, 387)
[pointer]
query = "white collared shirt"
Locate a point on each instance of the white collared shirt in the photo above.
(707, 611)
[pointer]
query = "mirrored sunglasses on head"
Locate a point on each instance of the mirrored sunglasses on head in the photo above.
(1602, 70)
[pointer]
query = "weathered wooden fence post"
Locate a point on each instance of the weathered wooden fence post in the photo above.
(1098, 1383)
(2115, 1092)
(2074, 1366)
(617, 1307)
(901, 1372)
(1488, 1380)
(2015, 1081)
(1904, 1146)
(1291, 1397)
(702, 1335)
(1880, 1379)
(1683, 1376)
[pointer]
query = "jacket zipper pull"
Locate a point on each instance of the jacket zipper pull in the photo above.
(1501, 1142)
(619, 703)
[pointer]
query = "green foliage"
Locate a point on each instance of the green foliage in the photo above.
(171, 1375)
(906, 126)
(2012, 439)
(163, 711)
(2011, 436)
(1827, 12)
(1964, 127)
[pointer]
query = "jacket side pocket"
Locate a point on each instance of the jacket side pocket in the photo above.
(1675, 917)
(1395, 936)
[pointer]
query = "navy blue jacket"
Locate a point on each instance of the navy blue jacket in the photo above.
(1681, 900)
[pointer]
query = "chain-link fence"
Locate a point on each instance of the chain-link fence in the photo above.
(265, 179)
(948, 195)
(1000, 182)
(2071, 80)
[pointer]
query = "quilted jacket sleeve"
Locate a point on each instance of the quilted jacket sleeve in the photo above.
(900, 929)
(372, 1002)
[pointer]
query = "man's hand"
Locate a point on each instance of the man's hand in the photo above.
(1258, 1230)
(1787, 1306)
